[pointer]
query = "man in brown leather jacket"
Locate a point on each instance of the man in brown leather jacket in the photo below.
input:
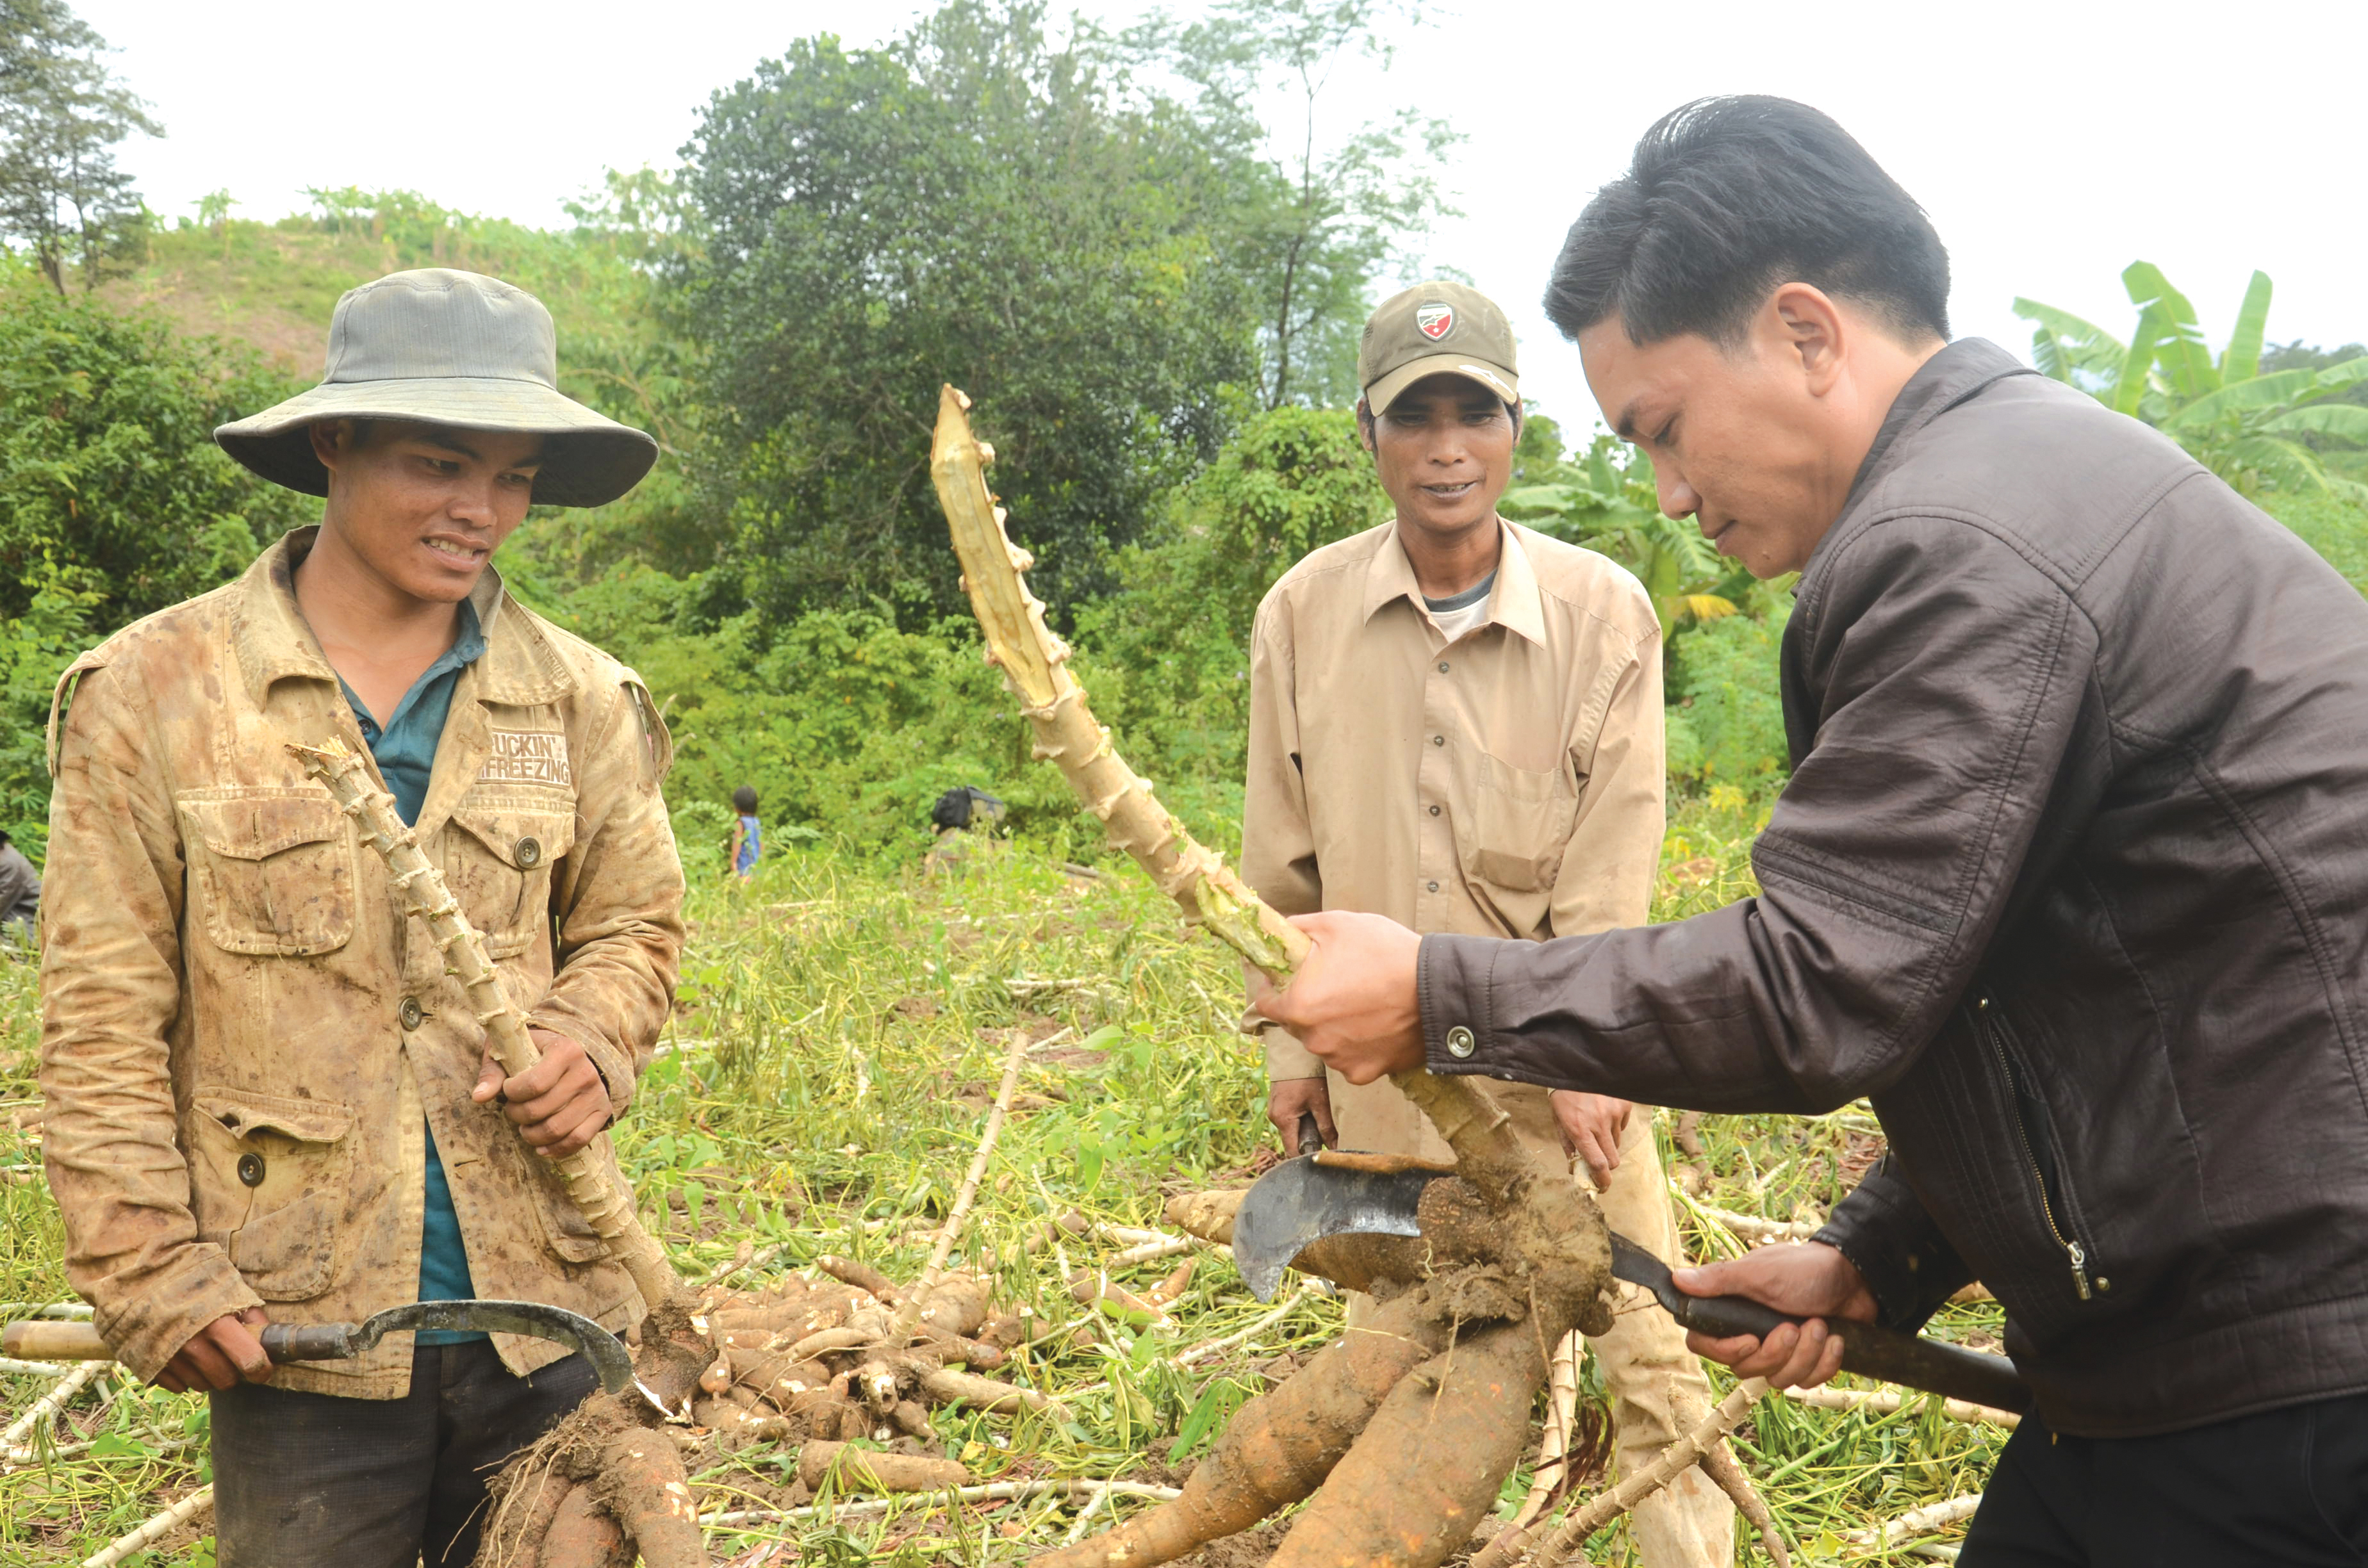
(2070, 876)
(266, 1098)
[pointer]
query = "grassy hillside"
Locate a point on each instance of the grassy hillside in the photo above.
(273, 285)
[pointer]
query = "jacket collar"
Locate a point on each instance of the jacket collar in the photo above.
(1963, 370)
(274, 642)
(1517, 604)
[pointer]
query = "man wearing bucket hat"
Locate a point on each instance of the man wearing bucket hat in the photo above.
(266, 1098)
(1456, 721)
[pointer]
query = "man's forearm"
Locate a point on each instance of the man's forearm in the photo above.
(1737, 1010)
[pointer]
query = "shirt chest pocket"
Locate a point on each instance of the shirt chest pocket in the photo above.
(273, 870)
(1518, 823)
(272, 1181)
(499, 853)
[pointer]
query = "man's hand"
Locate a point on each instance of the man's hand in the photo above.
(1592, 1126)
(1352, 1002)
(560, 1103)
(220, 1356)
(1289, 1099)
(1803, 1279)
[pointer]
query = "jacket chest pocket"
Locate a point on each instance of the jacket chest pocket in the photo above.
(273, 870)
(1518, 823)
(498, 855)
(270, 1180)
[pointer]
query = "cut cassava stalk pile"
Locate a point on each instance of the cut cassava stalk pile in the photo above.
(817, 1362)
(1402, 1432)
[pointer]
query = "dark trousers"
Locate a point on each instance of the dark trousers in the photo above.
(317, 1481)
(2287, 1488)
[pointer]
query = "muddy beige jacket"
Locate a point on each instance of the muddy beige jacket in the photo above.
(241, 1029)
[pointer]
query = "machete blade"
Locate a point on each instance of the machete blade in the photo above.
(597, 1345)
(1300, 1201)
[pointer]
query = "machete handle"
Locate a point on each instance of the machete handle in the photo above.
(1871, 1350)
(40, 1339)
(286, 1342)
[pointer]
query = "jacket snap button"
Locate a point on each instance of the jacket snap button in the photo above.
(529, 852)
(1433, 886)
(1434, 810)
(411, 1013)
(1439, 740)
(1443, 667)
(250, 1169)
(1459, 1042)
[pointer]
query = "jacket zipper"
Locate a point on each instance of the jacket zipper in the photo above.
(2073, 1251)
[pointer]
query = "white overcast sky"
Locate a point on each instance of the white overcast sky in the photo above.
(2052, 142)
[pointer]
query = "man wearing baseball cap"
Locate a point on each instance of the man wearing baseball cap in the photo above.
(1456, 721)
(268, 1100)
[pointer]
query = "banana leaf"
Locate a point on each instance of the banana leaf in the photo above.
(2137, 369)
(2241, 360)
(2066, 347)
(2287, 465)
(2185, 359)
(2347, 420)
(2277, 391)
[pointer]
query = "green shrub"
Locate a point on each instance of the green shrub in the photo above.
(110, 482)
(1727, 724)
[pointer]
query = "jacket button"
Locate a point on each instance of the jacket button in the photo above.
(1433, 886)
(1460, 1044)
(411, 1013)
(1439, 740)
(528, 853)
(1434, 810)
(1443, 667)
(250, 1169)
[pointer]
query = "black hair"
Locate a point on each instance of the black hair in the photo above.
(743, 800)
(1725, 200)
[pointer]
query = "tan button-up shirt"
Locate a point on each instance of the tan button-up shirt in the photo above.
(1508, 784)
(242, 1024)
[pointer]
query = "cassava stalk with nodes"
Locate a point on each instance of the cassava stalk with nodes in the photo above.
(806, 1360)
(605, 1204)
(1415, 1418)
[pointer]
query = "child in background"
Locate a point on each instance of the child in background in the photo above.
(746, 842)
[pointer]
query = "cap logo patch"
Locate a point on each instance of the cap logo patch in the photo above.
(1434, 320)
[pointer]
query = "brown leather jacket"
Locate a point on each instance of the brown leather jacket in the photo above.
(240, 1027)
(2071, 878)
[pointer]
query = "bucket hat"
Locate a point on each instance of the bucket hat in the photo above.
(447, 347)
(1432, 328)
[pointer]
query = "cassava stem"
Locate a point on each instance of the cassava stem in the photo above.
(1035, 664)
(605, 1204)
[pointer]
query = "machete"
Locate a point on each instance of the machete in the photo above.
(1303, 1201)
(44, 1340)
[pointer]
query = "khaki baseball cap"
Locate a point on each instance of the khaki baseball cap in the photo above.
(447, 347)
(1430, 328)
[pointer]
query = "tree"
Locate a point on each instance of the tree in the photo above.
(2256, 430)
(973, 203)
(1174, 639)
(62, 113)
(1333, 215)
